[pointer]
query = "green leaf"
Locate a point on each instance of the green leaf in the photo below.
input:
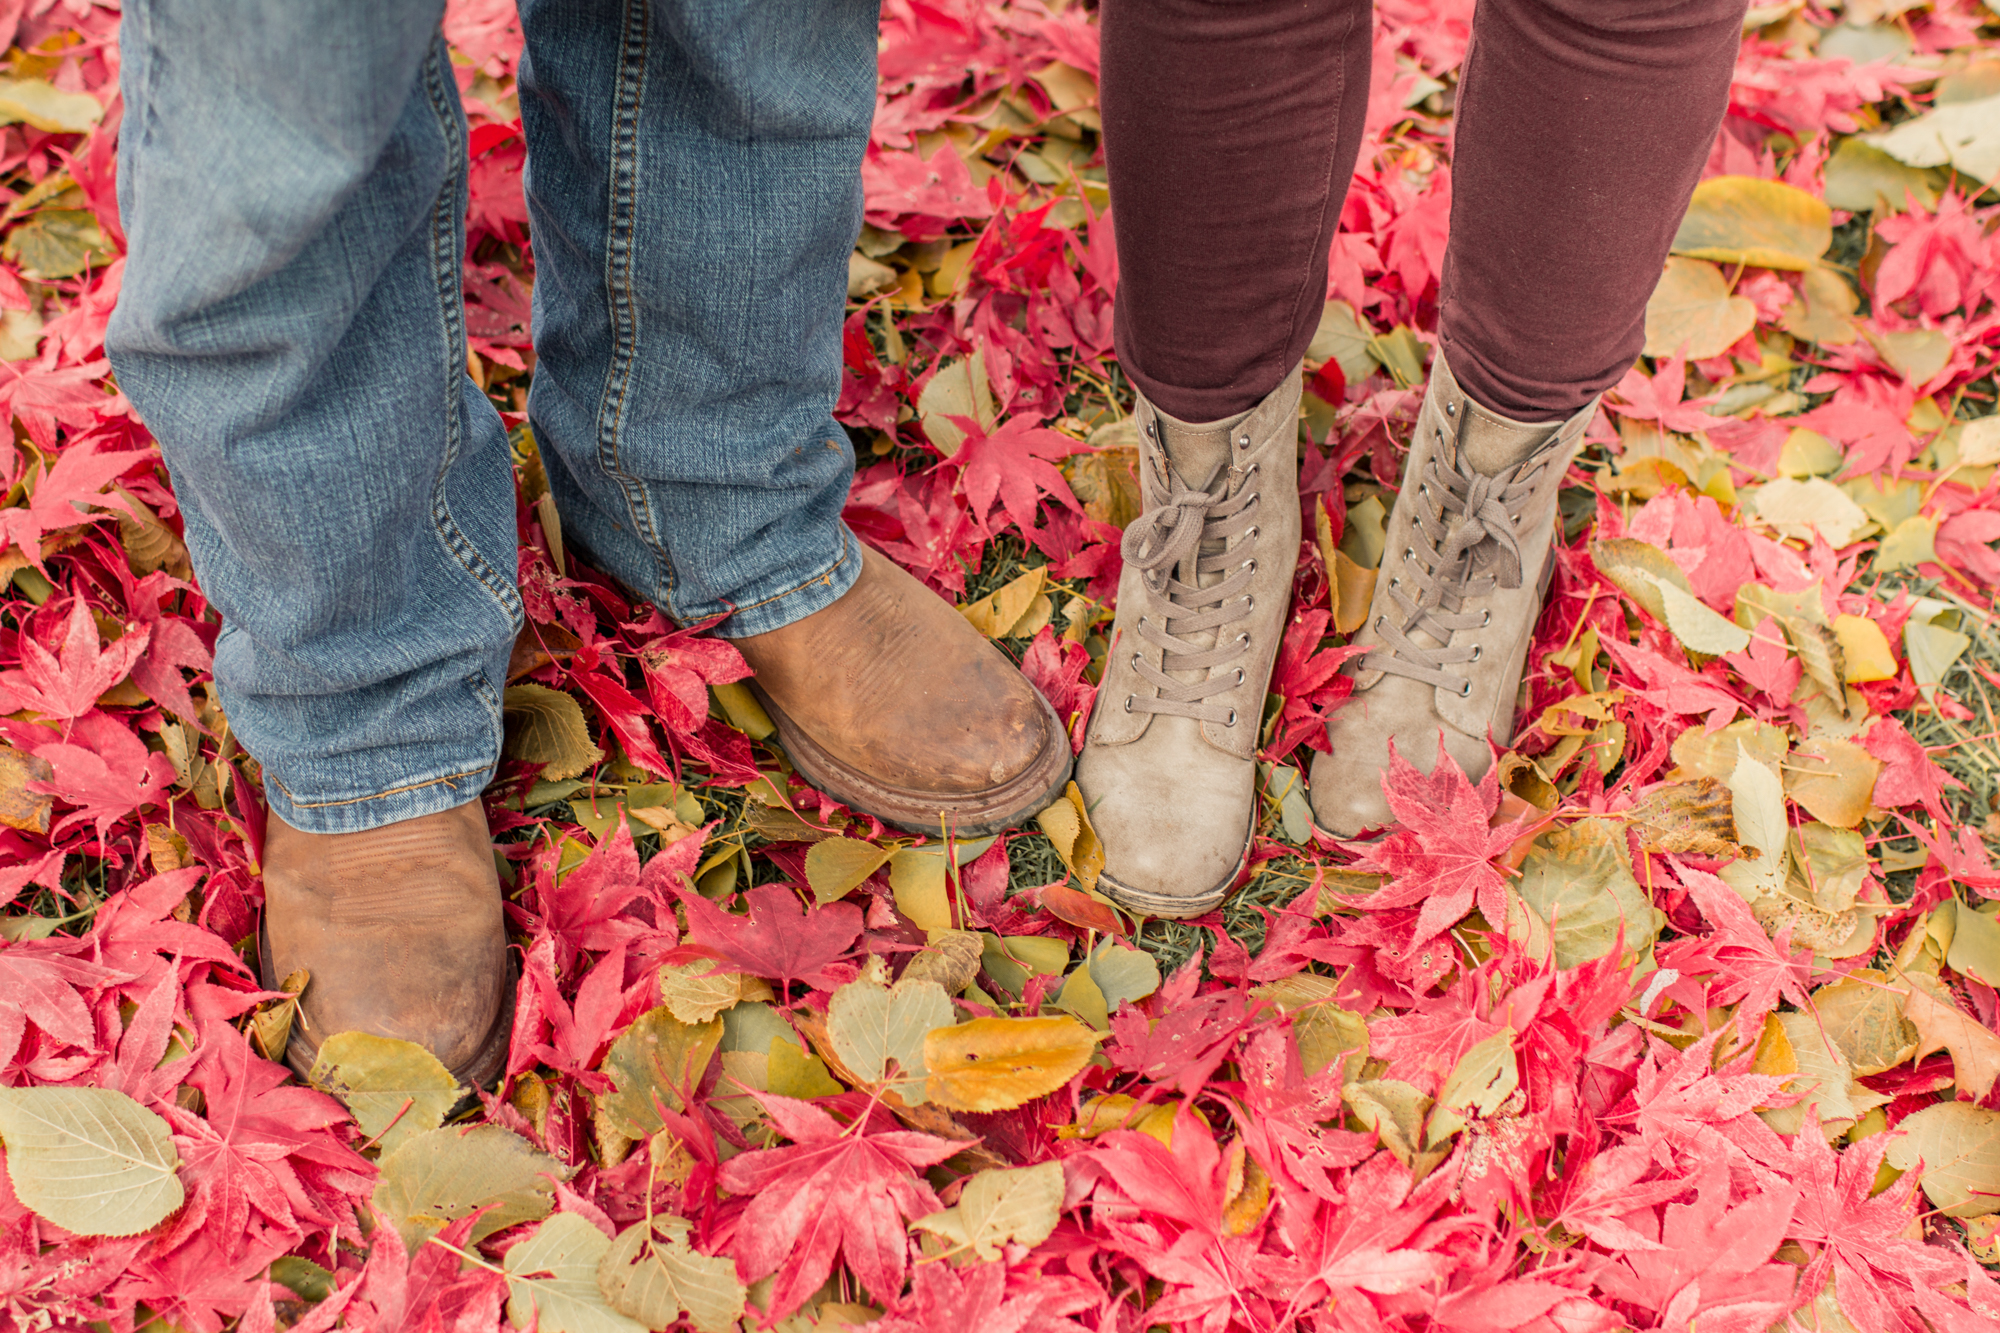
(870, 1025)
(1081, 997)
(378, 1076)
(57, 243)
(835, 867)
(1576, 892)
(658, 1056)
(568, 1249)
(90, 1160)
(1123, 974)
(547, 727)
(659, 1278)
(1000, 1205)
(441, 1176)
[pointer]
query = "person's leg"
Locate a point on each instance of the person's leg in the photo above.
(1237, 119)
(292, 183)
(694, 184)
(1582, 129)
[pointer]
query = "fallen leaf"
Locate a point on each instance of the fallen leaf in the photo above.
(568, 1249)
(1697, 816)
(19, 807)
(696, 992)
(90, 1160)
(1833, 779)
(658, 1056)
(396, 1089)
(1745, 220)
(1863, 1016)
(39, 103)
(1692, 312)
(1803, 509)
(1576, 896)
(1955, 1147)
(1962, 135)
(871, 1025)
(950, 958)
(999, 1205)
(1067, 823)
(995, 1064)
(835, 867)
(547, 727)
(652, 1274)
(447, 1174)
(1942, 1026)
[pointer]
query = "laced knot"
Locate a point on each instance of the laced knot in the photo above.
(1181, 546)
(1464, 543)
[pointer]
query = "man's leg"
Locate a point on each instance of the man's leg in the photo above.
(694, 190)
(1236, 118)
(292, 180)
(1582, 129)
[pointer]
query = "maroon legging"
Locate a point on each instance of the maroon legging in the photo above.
(1231, 129)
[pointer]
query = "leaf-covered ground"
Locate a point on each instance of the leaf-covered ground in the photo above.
(1687, 1019)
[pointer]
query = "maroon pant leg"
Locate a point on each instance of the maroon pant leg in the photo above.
(1582, 128)
(1231, 128)
(1230, 132)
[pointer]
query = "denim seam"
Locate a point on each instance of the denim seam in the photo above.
(619, 235)
(446, 265)
(824, 576)
(447, 780)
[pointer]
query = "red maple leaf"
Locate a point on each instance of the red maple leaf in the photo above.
(1011, 463)
(945, 1299)
(1682, 1108)
(104, 770)
(1750, 966)
(66, 683)
(63, 493)
(1908, 775)
(1713, 1261)
(1659, 398)
(1308, 678)
(778, 940)
(39, 984)
(1056, 667)
(679, 667)
(1442, 852)
(834, 1189)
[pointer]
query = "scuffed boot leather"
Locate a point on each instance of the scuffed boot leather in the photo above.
(1168, 770)
(402, 931)
(1465, 561)
(893, 704)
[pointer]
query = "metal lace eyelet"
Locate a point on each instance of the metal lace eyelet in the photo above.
(1149, 430)
(1243, 443)
(1475, 652)
(1243, 638)
(1394, 582)
(1128, 702)
(1232, 718)
(1465, 690)
(1451, 409)
(1135, 661)
(1487, 617)
(1251, 535)
(1409, 553)
(1249, 601)
(1253, 566)
(1378, 623)
(1252, 470)
(1239, 675)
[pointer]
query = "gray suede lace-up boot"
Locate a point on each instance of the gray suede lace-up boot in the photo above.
(1168, 769)
(1465, 563)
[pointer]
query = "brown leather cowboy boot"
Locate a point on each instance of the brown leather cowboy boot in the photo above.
(1465, 562)
(402, 932)
(1169, 769)
(893, 704)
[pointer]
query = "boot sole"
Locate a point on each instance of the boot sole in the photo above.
(483, 1070)
(972, 816)
(1169, 906)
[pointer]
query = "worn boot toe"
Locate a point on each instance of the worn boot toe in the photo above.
(401, 932)
(892, 703)
(1346, 782)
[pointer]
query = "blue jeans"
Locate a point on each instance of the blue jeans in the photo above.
(292, 179)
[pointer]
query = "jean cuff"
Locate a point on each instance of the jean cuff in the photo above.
(797, 602)
(423, 795)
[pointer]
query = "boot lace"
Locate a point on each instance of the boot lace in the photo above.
(1187, 535)
(1464, 545)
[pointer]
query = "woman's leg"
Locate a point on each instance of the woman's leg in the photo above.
(1582, 129)
(1230, 130)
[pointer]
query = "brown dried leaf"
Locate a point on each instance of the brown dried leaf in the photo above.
(1863, 1015)
(1942, 1025)
(1833, 779)
(1697, 817)
(951, 959)
(19, 807)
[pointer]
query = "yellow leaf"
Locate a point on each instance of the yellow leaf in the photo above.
(958, 389)
(1639, 569)
(918, 875)
(90, 1160)
(396, 1089)
(745, 713)
(39, 103)
(1833, 779)
(1067, 823)
(1863, 1016)
(1824, 310)
(1864, 649)
(1747, 220)
(995, 614)
(995, 1064)
(835, 867)
(794, 1073)
(1692, 309)
(1798, 509)
(1001, 1204)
